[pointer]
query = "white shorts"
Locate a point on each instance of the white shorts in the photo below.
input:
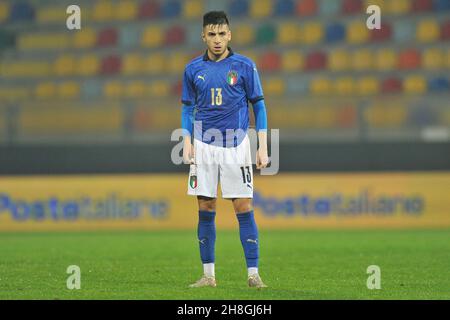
(231, 166)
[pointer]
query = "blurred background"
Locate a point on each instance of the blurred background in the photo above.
(104, 99)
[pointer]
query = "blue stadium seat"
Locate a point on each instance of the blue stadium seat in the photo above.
(423, 116)
(284, 8)
(404, 31)
(297, 86)
(441, 5)
(21, 11)
(329, 8)
(171, 9)
(129, 36)
(91, 89)
(335, 32)
(439, 84)
(239, 8)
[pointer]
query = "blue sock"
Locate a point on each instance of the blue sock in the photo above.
(206, 233)
(249, 238)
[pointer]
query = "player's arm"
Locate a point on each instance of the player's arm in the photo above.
(259, 110)
(187, 116)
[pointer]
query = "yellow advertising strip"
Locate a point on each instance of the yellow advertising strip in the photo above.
(151, 202)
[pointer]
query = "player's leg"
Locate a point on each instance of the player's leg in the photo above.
(206, 233)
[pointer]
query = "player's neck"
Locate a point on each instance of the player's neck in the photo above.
(216, 58)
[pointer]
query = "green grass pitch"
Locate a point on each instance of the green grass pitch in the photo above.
(299, 265)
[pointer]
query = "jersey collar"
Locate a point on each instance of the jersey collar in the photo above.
(206, 57)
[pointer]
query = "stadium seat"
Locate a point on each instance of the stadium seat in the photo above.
(136, 89)
(149, 9)
(152, 37)
(88, 65)
(409, 59)
(25, 69)
(132, 64)
(357, 32)
(441, 5)
(346, 116)
(324, 117)
(84, 38)
(338, 60)
(328, 8)
(427, 31)
(64, 65)
(367, 86)
(320, 86)
(292, 61)
(4, 11)
(274, 86)
(284, 8)
(155, 63)
(398, 7)
(363, 59)
(125, 10)
(193, 9)
(445, 31)
(251, 54)
(44, 41)
(113, 89)
(380, 3)
(404, 30)
(269, 61)
(129, 36)
(439, 84)
(422, 116)
(103, 11)
(239, 8)
(344, 86)
(307, 8)
(260, 8)
(110, 65)
(51, 14)
(391, 85)
(311, 33)
(159, 89)
(177, 61)
(297, 86)
(335, 32)
(316, 60)
(245, 36)
(266, 34)
(45, 90)
(21, 11)
(171, 9)
(422, 5)
(68, 90)
(107, 37)
(352, 6)
(91, 89)
(433, 58)
(175, 35)
(386, 59)
(288, 33)
(415, 84)
(383, 34)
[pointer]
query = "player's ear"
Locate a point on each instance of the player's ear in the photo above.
(203, 36)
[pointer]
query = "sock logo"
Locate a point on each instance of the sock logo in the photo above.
(254, 241)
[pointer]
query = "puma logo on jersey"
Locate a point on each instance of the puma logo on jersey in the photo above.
(201, 77)
(253, 241)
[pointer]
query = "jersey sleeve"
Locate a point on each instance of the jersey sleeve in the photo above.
(253, 87)
(188, 92)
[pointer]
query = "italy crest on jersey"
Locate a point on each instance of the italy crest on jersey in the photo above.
(232, 77)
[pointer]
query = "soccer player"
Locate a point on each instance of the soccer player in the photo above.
(218, 86)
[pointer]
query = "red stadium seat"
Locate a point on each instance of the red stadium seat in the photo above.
(307, 8)
(107, 37)
(347, 117)
(422, 5)
(110, 65)
(316, 61)
(391, 85)
(445, 31)
(382, 34)
(148, 9)
(352, 6)
(175, 35)
(409, 59)
(270, 61)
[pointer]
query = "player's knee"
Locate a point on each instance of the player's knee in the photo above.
(207, 204)
(243, 206)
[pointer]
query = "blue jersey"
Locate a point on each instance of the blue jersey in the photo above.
(220, 92)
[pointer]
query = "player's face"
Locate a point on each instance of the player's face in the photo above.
(216, 38)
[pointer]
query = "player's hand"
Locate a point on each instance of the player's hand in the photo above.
(262, 159)
(188, 153)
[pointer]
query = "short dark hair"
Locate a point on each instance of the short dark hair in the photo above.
(215, 18)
